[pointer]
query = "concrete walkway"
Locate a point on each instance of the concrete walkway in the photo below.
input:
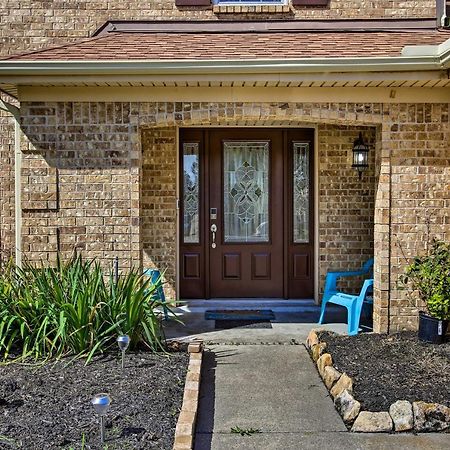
(276, 389)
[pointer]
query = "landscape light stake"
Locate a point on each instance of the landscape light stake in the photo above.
(123, 342)
(101, 403)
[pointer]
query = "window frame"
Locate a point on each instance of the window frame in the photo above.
(250, 2)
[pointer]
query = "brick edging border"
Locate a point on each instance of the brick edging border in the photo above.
(417, 416)
(185, 429)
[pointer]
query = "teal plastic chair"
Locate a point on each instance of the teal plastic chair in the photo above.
(158, 293)
(353, 303)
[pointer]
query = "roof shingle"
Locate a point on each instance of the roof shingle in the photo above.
(222, 46)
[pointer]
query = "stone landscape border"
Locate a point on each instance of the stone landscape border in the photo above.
(185, 429)
(402, 415)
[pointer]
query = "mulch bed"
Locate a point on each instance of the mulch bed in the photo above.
(387, 368)
(49, 407)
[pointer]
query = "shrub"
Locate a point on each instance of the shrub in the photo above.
(74, 309)
(429, 275)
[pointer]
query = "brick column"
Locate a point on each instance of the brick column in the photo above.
(382, 234)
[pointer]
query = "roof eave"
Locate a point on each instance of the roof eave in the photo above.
(307, 65)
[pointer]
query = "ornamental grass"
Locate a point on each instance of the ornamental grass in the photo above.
(74, 309)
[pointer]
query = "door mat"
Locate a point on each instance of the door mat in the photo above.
(227, 324)
(240, 314)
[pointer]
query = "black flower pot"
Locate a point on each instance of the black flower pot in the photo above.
(432, 330)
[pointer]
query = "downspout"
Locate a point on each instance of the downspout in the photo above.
(18, 192)
(17, 180)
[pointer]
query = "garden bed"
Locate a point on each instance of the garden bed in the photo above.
(386, 368)
(49, 406)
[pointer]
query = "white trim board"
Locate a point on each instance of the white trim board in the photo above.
(238, 94)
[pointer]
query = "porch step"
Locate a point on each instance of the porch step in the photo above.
(276, 305)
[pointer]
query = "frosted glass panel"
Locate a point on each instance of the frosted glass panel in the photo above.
(191, 233)
(301, 192)
(246, 191)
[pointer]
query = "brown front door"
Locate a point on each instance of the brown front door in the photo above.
(246, 188)
(246, 213)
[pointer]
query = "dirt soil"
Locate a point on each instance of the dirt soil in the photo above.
(387, 368)
(49, 407)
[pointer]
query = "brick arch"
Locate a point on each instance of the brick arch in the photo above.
(239, 114)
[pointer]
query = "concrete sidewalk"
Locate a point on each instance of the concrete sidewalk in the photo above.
(276, 389)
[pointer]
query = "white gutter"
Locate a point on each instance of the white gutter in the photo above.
(17, 180)
(420, 60)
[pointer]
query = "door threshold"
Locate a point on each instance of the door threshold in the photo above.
(293, 305)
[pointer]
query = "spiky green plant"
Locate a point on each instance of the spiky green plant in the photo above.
(133, 307)
(74, 309)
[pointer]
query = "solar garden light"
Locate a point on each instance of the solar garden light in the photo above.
(123, 342)
(101, 403)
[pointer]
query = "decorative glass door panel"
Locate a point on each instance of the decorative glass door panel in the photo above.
(191, 203)
(301, 181)
(246, 191)
(192, 273)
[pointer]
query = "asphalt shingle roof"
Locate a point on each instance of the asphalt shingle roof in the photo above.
(276, 45)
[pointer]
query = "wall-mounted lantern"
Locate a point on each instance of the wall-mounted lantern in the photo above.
(360, 155)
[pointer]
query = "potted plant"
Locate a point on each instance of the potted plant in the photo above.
(429, 276)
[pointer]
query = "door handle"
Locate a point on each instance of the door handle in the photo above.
(213, 231)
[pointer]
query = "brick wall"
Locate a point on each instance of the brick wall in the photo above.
(420, 193)
(77, 162)
(158, 202)
(98, 157)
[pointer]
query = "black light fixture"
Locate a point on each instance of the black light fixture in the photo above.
(360, 155)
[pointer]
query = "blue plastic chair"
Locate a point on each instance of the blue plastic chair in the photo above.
(158, 293)
(353, 303)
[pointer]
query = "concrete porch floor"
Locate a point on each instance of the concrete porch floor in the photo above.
(293, 321)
